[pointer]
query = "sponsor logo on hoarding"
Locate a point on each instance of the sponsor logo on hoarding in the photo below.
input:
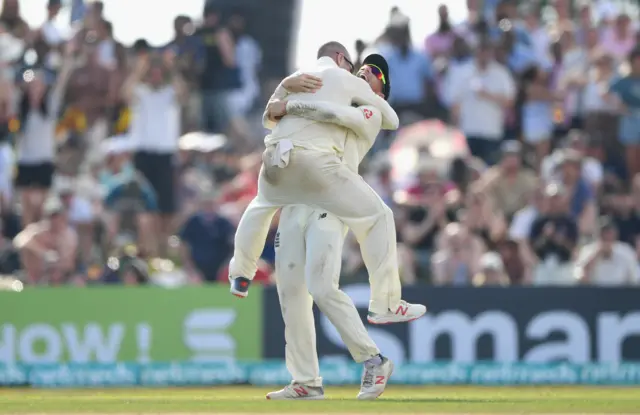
(127, 325)
(503, 334)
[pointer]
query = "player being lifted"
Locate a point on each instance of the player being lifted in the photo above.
(303, 165)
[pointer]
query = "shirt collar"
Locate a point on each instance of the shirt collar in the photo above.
(327, 61)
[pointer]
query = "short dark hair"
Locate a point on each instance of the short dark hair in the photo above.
(329, 48)
(99, 6)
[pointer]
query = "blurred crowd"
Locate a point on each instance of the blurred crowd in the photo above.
(116, 161)
(548, 98)
(130, 165)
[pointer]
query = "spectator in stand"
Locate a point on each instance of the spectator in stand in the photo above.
(553, 238)
(130, 202)
(540, 36)
(481, 93)
(11, 19)
(7, 119)
(92, 93)
(581, 195)
(52, 36)
(249, 59)
(38, 110)
(475, 24)
(507, 20)
(459, 258)
(80, 214)
(622, 209)
(460, 56)
(241, 189)
(110, 52)
(516, 265)
(572, 77)
(576, 142)
(625, 210)
(440, 43)
(584, 23)
(620, 39)
(9, 256)
(601, 120)
(412, 73)
(607, 262)
(379, 177)
(427, 216)
(563, 11)
(537, 111)
(483, 219)
(156, 92)
(207, 240)
(220, 75)
(49, 248)
(360, 47)
(518, 55)
(492, 272)
(625, 92)
(523, 219)
(508, 184)
(189, 52)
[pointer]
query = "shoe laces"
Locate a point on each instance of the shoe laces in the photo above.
(367, 379)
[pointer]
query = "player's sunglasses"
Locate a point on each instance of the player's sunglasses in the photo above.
(377, 72)
(351, 65)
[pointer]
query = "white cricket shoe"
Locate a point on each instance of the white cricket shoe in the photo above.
(405, 312)
(374, 379)
(295, 391)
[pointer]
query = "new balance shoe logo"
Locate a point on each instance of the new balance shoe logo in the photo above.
(301, 391)
(380, 380)
(402, 310)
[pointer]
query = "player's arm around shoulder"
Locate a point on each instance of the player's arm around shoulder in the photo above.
(364, 95)
(279, 94)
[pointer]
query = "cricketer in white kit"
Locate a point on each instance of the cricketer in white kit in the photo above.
(303, 165)
(309, 252)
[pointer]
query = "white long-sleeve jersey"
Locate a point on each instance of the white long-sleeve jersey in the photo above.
(341, 89)
(362, 125)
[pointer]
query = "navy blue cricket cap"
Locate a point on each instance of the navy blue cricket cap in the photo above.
(381, 63)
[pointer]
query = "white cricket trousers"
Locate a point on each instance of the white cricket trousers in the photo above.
(308, 261)
(322, 181)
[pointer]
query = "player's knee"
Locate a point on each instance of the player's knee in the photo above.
(321, 292)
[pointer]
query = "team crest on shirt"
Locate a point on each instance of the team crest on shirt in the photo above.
(367, 113)
(322, 216)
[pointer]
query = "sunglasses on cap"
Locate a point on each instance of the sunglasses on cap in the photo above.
(377, 72)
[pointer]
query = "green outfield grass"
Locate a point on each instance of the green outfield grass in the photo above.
(396, 400)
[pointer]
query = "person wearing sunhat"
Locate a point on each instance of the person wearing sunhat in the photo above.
(312, 239)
